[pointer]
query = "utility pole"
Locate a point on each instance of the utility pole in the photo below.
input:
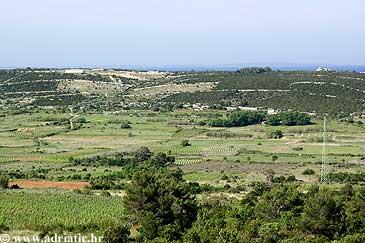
(324, 169)
(71, 122)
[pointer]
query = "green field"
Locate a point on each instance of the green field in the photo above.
(37, 210)
(31, 141)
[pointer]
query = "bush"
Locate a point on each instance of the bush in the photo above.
(185, 143)
(3, 228)
(116, 234)
(308, 172)
(14, 187)
(4, 182)
(125, 125)
(276, 134)
(224, 177)
(227, 186)
(291, 178)
(143, 153)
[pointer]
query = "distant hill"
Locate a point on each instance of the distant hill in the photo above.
(319, 92)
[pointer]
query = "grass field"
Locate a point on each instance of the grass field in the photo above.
(34, 138)
(36, 210)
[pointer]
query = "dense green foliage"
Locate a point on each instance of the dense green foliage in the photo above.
(238, 119)
(245, 118)
(344, 177)
(116, 234)
(282, 214)
(161, 204)
(288, 119)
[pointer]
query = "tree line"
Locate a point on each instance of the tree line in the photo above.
(245, 118)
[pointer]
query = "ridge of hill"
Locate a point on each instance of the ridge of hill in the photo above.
(315, 92)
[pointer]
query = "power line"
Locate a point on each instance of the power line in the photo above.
(324, 169)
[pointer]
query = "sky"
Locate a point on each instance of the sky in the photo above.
(101, 33)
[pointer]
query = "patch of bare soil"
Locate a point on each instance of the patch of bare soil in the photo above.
(70, 185)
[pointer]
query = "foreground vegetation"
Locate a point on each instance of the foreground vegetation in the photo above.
(269, 213)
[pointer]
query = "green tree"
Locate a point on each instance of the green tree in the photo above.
(217, 221)
(160, 202)
(143, 154)
(273, 120)
(355, 213)
(161, 160)
(323, 214)
(294, 118)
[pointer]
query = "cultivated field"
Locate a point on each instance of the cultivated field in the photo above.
(37, 141)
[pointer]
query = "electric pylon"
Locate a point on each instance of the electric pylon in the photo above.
(324, 169)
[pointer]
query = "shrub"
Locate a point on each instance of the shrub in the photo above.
(185, 143)
(81, 120)
(308, 172)
(276, 134)
(143, 154)
(291, 178)
(227, 186)
(4, 182)
(116, 234)
(125, 125)
(15, 187)
(3, 228)
(224, 177)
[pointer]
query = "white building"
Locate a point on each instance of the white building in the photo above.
(244, 108)
(322, 69)
(74, 71)
(271, 111)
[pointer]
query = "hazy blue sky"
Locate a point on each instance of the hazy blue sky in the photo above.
(191, 32)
